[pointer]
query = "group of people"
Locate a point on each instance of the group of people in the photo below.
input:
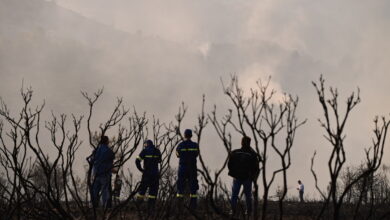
(243, 165)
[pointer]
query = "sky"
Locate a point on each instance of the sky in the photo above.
(157, 54)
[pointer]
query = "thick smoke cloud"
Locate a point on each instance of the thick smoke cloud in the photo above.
(158, 53)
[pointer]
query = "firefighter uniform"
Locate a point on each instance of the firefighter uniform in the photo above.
(151, 156)
(187, 151)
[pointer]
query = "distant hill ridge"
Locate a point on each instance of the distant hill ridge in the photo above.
(42, 41)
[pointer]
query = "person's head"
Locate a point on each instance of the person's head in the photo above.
(148, 143)
(299, 182)
(245, 141)
(187, 134)
(104, 140)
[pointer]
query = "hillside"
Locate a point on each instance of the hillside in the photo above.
(41, 41)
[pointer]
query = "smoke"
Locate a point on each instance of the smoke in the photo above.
(157, 54)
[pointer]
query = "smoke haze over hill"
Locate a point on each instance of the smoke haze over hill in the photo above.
(156, 54)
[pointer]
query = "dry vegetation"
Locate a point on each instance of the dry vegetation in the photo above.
(36, 184)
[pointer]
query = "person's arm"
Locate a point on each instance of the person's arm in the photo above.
(197, 152)
(159, 156)
(159, 160)
(111, 158)
(256, 166)
(112, 154)
(178, 148)
(139, 159)
(99, 164)
(230, 161)
(91, 158)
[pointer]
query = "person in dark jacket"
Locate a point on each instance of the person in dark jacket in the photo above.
(187, 152)
(102, 163)
(244, 168)
(151, 156)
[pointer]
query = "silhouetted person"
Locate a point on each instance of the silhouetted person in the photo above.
(244, 168)
(301, 190)
(151, 156)
(102, 164)
(117, 188)
(188, 151)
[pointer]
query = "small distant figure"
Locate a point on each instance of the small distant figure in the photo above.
(187, 152)
(117, 188)
(244, 168)
(102, 164)
(301, 190)
(151, 156)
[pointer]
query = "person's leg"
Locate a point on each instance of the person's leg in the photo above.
(153, 191)
(106, 191)
(248, 195)
(301, 196)
(95, 191)
(109, 203)
(180, 182)
(142, 188)
(235, 191)
(194, 186)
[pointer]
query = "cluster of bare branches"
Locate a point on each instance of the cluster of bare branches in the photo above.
(40, 180)
(334, 123)
(41, 176)
(272, 124)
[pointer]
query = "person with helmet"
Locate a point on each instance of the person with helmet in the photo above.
(187, 152)
(151, 156)
(243, 166)
(102, 161)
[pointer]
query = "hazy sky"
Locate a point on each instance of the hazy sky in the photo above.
(158, 53)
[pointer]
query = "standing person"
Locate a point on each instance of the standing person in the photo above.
(187, 152)
(244, 168)
(117, 188)
(102, 164)
(301, 190)
(150, 172)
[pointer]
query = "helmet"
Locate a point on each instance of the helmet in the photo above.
(188, 133)
(148, 142)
